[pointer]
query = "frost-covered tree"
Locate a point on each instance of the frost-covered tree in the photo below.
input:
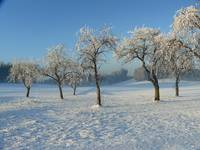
(186, 26)
(75, 77)
(187, 19)
(57, 66)
(145, 45)
(179, 59)
(92, 46)
(25, 72)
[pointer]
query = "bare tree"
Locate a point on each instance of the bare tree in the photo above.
(57, 66)
(92, 46)
(145, 45)
(179, 59)
(25, 72)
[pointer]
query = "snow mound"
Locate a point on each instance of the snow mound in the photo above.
(95, 107)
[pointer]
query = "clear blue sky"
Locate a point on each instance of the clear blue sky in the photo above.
(29, 27)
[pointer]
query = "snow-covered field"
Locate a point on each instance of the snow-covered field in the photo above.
(129, 119)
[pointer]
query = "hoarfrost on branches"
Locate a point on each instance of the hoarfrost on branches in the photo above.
(92, 46)
(25, 72)
(57, 66)
(146, 45)
(186, 19)
(179, 58)
(186, 26)
(75, 77)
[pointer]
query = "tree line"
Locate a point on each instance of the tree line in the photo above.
(140, 74)
(173, 53)
(4, 71)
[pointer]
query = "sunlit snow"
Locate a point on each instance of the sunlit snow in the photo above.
(128, 119)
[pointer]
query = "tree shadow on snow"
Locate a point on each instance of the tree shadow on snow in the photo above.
(106, 92)
(180, 100)
(87, 91)
(1, 141)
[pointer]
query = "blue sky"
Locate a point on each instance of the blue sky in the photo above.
(29, 27)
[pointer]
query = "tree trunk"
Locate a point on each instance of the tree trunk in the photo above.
(177, 86)
(157, 92)
(98, 94)
(153, 78)
(74, 88)
(61, 92)
(97, 86)
(27, 91)
(156, 88)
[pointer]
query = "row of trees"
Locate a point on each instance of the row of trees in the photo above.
(172, 53)
(56, 65)
(106, 79)
(91, 45)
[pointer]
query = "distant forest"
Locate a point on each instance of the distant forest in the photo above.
(114, 77)
(4, 71)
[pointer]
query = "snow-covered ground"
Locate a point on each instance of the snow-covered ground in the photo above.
(129, 119)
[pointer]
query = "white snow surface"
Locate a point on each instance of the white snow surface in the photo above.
(128, 119)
